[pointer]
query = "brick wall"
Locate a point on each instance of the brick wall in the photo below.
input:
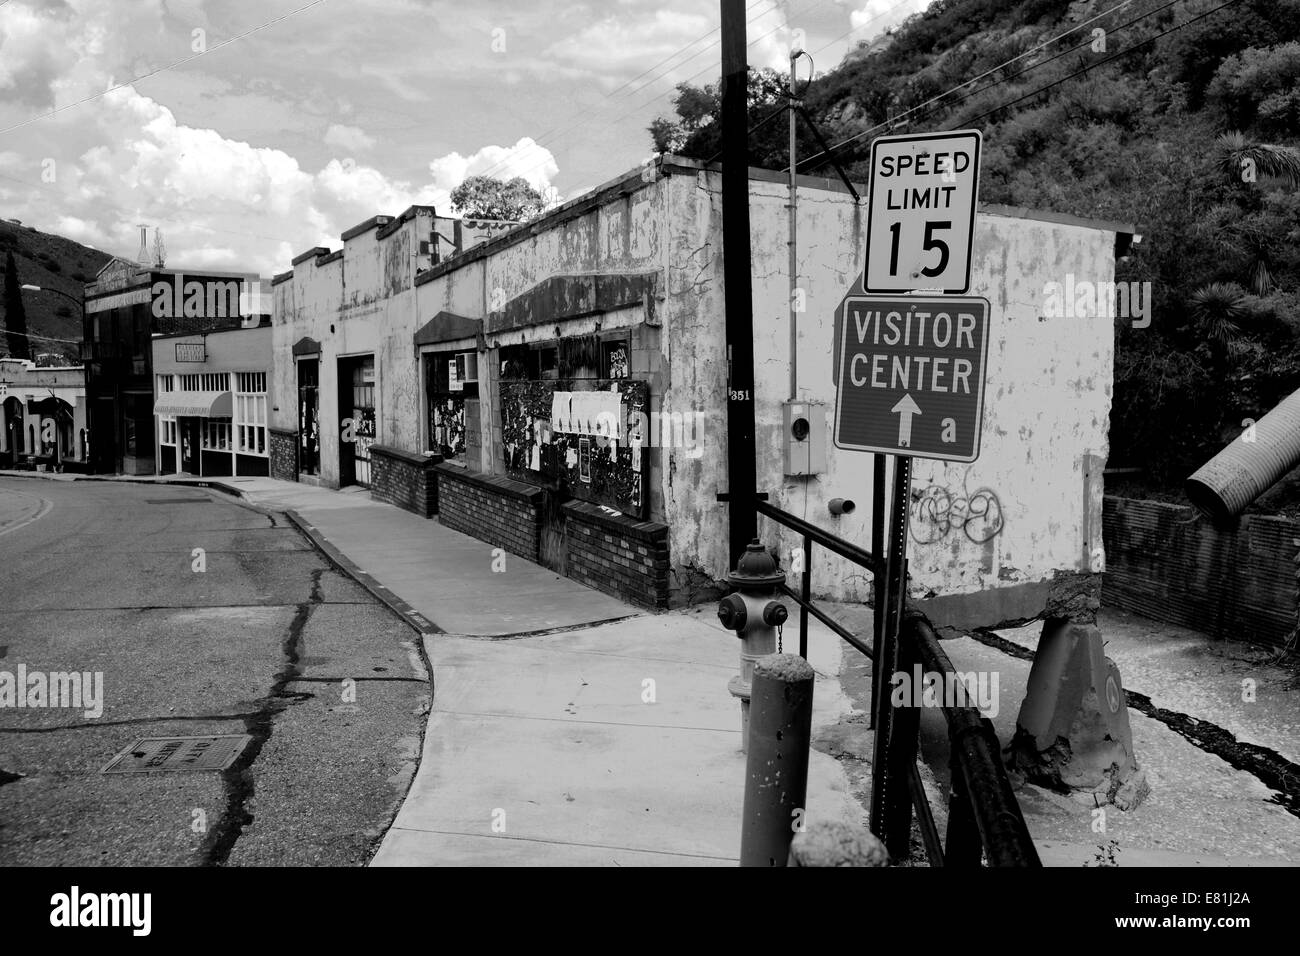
(1165, 562)
(617, 554)
(503, 512)
(283, 448)
(404, 479)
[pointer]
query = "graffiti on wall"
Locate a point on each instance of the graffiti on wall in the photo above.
(563, 433)
(938, 511)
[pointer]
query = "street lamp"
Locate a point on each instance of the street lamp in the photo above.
(37, 288)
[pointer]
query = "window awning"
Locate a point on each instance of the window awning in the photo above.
(194, 405)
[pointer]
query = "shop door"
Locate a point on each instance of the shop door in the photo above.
(357, 419)
(13, 418)
(189, 435)
(308, 427)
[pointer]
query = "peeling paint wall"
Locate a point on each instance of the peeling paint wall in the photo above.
(363, 302)
(1016, 514)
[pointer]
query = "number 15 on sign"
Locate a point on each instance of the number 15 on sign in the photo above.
(921, 212)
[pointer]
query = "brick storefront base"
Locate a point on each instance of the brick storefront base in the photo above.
(283, 448)
(617, 554)
(500, 511)
(404, 479)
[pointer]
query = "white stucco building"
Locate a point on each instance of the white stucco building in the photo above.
(495, 357)
(42, 416)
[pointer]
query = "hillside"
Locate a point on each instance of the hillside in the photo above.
(50, 261)
(1180, 116)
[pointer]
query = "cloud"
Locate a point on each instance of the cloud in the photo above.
(352, 139)
(617, 48)
(225, 203)
(526, 158)
(876, 16)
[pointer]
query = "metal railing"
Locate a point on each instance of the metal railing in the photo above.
(851, 552)
(984, 818)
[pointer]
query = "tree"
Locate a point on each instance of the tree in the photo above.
(15, 316)
(482, 197)
(696, 130)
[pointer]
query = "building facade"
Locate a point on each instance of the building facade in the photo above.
(210, 401)
(126, 306)
(43, 416)
(345, 377)
(566, 383)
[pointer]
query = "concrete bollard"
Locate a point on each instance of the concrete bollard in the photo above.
(837, 844)
(776, 771)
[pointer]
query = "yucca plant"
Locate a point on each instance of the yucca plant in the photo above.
(1268, 160)
(1218, 311)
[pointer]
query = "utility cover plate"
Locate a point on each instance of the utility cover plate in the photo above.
(158, 754)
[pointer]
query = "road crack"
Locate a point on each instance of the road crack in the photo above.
(238, 780)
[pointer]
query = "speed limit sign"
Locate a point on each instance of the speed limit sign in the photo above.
(921, 212)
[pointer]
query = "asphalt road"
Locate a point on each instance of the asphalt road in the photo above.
(100, 577)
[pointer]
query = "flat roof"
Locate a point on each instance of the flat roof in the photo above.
(633, 181)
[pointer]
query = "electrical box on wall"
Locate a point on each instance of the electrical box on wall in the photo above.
(803, 437)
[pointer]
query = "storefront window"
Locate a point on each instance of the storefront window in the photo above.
(216, 434)
(250, 413)
(450, 378)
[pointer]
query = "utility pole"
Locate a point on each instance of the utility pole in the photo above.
(737, 282)
(793, 206)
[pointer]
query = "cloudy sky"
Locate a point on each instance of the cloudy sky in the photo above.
(251, 131)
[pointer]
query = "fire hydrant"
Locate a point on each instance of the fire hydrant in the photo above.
(754, 614)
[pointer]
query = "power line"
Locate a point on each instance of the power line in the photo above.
(861, 25)
(567, 126)
(1079, 72)
(640, 106)
(33, 335)
(163, 69)
(1092, 66)
(963, 85)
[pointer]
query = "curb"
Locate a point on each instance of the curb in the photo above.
(413, 618)
(184, 482)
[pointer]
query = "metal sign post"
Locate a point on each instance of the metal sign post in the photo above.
(909, 362)
(889, 614)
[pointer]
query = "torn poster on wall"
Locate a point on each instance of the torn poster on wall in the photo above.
(544, 426)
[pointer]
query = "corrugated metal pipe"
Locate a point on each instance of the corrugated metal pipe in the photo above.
(1256, 460)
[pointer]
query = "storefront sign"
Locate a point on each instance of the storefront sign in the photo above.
(191, 352)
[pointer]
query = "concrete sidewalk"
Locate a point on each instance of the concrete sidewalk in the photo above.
(615, 745)
(609, 740)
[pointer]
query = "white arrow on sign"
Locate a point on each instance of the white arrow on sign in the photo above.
(905, 409)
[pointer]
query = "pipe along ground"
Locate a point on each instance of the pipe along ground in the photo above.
(1251, 464)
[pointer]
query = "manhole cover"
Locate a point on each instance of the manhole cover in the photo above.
(157, 754)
